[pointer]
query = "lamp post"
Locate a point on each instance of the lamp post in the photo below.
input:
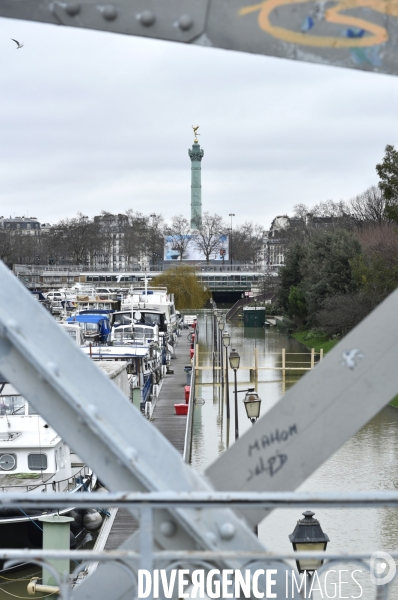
(226, 340)
(221, 325)
(230, 240)
(308, 535)
(234, 361)
(252, 404)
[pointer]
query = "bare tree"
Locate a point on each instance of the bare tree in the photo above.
(6, 246)
(248, 242)
(134, 234)
(79, 237)
(329, 208)
(380, 242)
(155, 238)
(326, 208)
(180, 234)
(369, 207)
(208, 233)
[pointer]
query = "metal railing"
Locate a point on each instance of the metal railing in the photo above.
(145, 557)
(191, 406)
(54, 486)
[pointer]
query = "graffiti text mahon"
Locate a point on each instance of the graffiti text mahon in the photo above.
(278, 436)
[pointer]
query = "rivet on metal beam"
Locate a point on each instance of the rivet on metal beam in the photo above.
(131, 454)
(54, 368)
(227, 531)
(93, 410)
(72, 9)
(185, 22)
(109, 12)
(13, 325)
(146, 18)
(168, 528)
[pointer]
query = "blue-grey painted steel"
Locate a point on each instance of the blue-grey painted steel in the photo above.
(321, 412)
(107, 432)
(314, 418)
(196, 155)
(194, 500)
(359, 34)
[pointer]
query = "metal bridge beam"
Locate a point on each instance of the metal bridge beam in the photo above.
(108, 433)
(323, 410)
(301, 31)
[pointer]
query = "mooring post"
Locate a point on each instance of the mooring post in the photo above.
(321, 354)
(283, 363)
(312, 358)
(56, 536)
(256, 364)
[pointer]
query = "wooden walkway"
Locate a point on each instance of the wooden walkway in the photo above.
(172, 392)
(171, 425)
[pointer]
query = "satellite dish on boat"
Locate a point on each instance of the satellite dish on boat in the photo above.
(137, 315)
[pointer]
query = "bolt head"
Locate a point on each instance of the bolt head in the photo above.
(227, 531)
(72, 9)
(185, 23)
(146, 18)
(168, 528)
(131, 454)
(109, 12)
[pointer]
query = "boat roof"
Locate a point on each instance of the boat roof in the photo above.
(97, 311)
(89, 318)
(30, 439)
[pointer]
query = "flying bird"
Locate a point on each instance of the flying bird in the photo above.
(18, 44)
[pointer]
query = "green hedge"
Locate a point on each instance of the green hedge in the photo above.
(313, 339)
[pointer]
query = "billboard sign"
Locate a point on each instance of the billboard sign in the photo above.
(191, 250)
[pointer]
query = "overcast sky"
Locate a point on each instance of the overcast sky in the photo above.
(94, 121)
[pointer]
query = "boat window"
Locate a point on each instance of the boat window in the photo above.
(8, 462)
(124, 334)
(91, 326)
(151, 319)
(16, 405)
(37, 462)
(142, 330)
(123, 319)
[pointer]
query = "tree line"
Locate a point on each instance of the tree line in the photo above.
(336, 273)
(82, 240)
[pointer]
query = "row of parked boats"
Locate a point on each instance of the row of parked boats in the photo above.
(131, 336)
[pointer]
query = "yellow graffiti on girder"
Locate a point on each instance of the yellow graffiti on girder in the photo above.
(378, 35)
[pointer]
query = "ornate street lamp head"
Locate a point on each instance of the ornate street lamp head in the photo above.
(252, 404)
(234, 359)
(307, 536)
(226, 339)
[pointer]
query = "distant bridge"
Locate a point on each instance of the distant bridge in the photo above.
(223, 284)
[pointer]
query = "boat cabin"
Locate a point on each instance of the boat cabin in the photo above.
(96, 328)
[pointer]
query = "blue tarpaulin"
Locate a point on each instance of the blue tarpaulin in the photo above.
(101, 320)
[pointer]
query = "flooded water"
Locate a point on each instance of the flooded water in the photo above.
(14, 584)
(367, 462)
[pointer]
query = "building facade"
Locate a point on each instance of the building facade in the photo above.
(23, 225)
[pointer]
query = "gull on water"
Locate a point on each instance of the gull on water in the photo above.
(18, 44)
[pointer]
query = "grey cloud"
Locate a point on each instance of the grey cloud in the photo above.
(103, 122)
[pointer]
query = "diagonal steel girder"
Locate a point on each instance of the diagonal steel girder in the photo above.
(308, 31)
(93, 416)
(323, 410)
